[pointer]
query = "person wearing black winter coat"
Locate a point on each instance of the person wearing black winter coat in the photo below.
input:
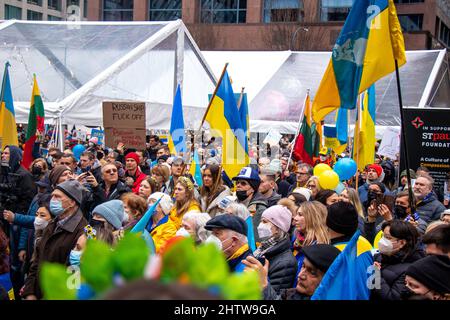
(399, 248)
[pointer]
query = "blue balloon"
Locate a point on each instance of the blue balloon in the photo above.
(78, 150)
(346, 168)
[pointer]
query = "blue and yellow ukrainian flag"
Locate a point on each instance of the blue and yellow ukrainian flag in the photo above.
(225, 122)
(365, 51)
(177, 138)
(195, 170)
(364, 137)
(8, 128)
(245, 120)
(346, 278)
(331, 140)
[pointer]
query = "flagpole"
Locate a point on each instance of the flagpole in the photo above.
(405, 148)
(241, 96)
(214, 94)
(357, 140)
(298, 129)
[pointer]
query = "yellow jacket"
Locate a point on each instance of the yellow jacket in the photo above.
(176, 219)
(162, 232)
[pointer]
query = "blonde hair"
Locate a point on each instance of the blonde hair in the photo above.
(316, 182)
(353, 196)
(183, 207)
(315, 214)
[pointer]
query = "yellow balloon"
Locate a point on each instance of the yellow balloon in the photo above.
(329, 180)
(321, 167)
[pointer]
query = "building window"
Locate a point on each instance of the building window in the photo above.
(73, 3)
(283, 11)
(12, 12)
(162, 10)
(85, 8)
(54, 5)
(33, 15)
(36, 2)
(53, 18)
(408, 1)
(335, 10)
(118, 10)
(411, 22)
(223, 11)
(444, 34)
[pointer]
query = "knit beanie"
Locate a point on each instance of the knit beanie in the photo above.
(377, 168)
(342, 218)
(433, 272)
(73, 189)
(166, 203)
(280, 216)
(304, 192)
(56, 173)
(134, 156)
(112, 211)
(412, 173)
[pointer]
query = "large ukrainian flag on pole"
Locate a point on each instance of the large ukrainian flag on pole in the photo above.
(365, 51)
(177, 138)
(225, 122)
(8, 128)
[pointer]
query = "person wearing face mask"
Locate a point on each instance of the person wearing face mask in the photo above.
(193, 225)
(399, 248)
(60, 235)
(276, 247)
(107, 220)
(134, 207)
(39, 169)
(159, 227)
(229, 233)
(247, 184)
(428, 278)
(402, 211)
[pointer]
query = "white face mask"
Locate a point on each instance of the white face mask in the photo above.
(264, 231)
(126, 218)
(213, 239)
(183, 233)
(385, 246)
(39, 223)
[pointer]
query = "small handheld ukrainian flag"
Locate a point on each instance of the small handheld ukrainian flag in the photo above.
(177, 137)
(195, 170)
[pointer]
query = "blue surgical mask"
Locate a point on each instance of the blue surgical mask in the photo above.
(56, 207)
(74, 257)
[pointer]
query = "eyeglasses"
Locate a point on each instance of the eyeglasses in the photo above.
(65, 163)
(242, 182)
(111, 171)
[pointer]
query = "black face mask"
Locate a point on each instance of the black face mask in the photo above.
(400, 212)
(96, 224)
(36, 170)
(241, 195)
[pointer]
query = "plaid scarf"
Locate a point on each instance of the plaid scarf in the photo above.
(266, 245)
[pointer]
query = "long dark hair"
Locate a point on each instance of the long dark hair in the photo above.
(217, 187)
(404, 231)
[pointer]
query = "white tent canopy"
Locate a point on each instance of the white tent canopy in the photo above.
(276, 84)
(80, 64)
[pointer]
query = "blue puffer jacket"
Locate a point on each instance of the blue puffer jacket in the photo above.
(430, 209)
(26, 222)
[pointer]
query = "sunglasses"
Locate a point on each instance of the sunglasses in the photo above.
(111, 171)
(242, 182)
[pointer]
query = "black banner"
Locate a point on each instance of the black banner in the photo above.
(428, 142)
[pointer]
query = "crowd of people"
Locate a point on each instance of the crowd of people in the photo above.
(273, 217)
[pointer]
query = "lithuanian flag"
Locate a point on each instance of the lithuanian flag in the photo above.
(35, 124)
(304, 148)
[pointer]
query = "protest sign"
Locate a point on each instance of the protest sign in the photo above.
(124, 122)
(273, 137)
(390, 143)
(428, 141)
(99, 134)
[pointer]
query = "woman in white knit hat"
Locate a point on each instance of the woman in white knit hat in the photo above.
(159, 228)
